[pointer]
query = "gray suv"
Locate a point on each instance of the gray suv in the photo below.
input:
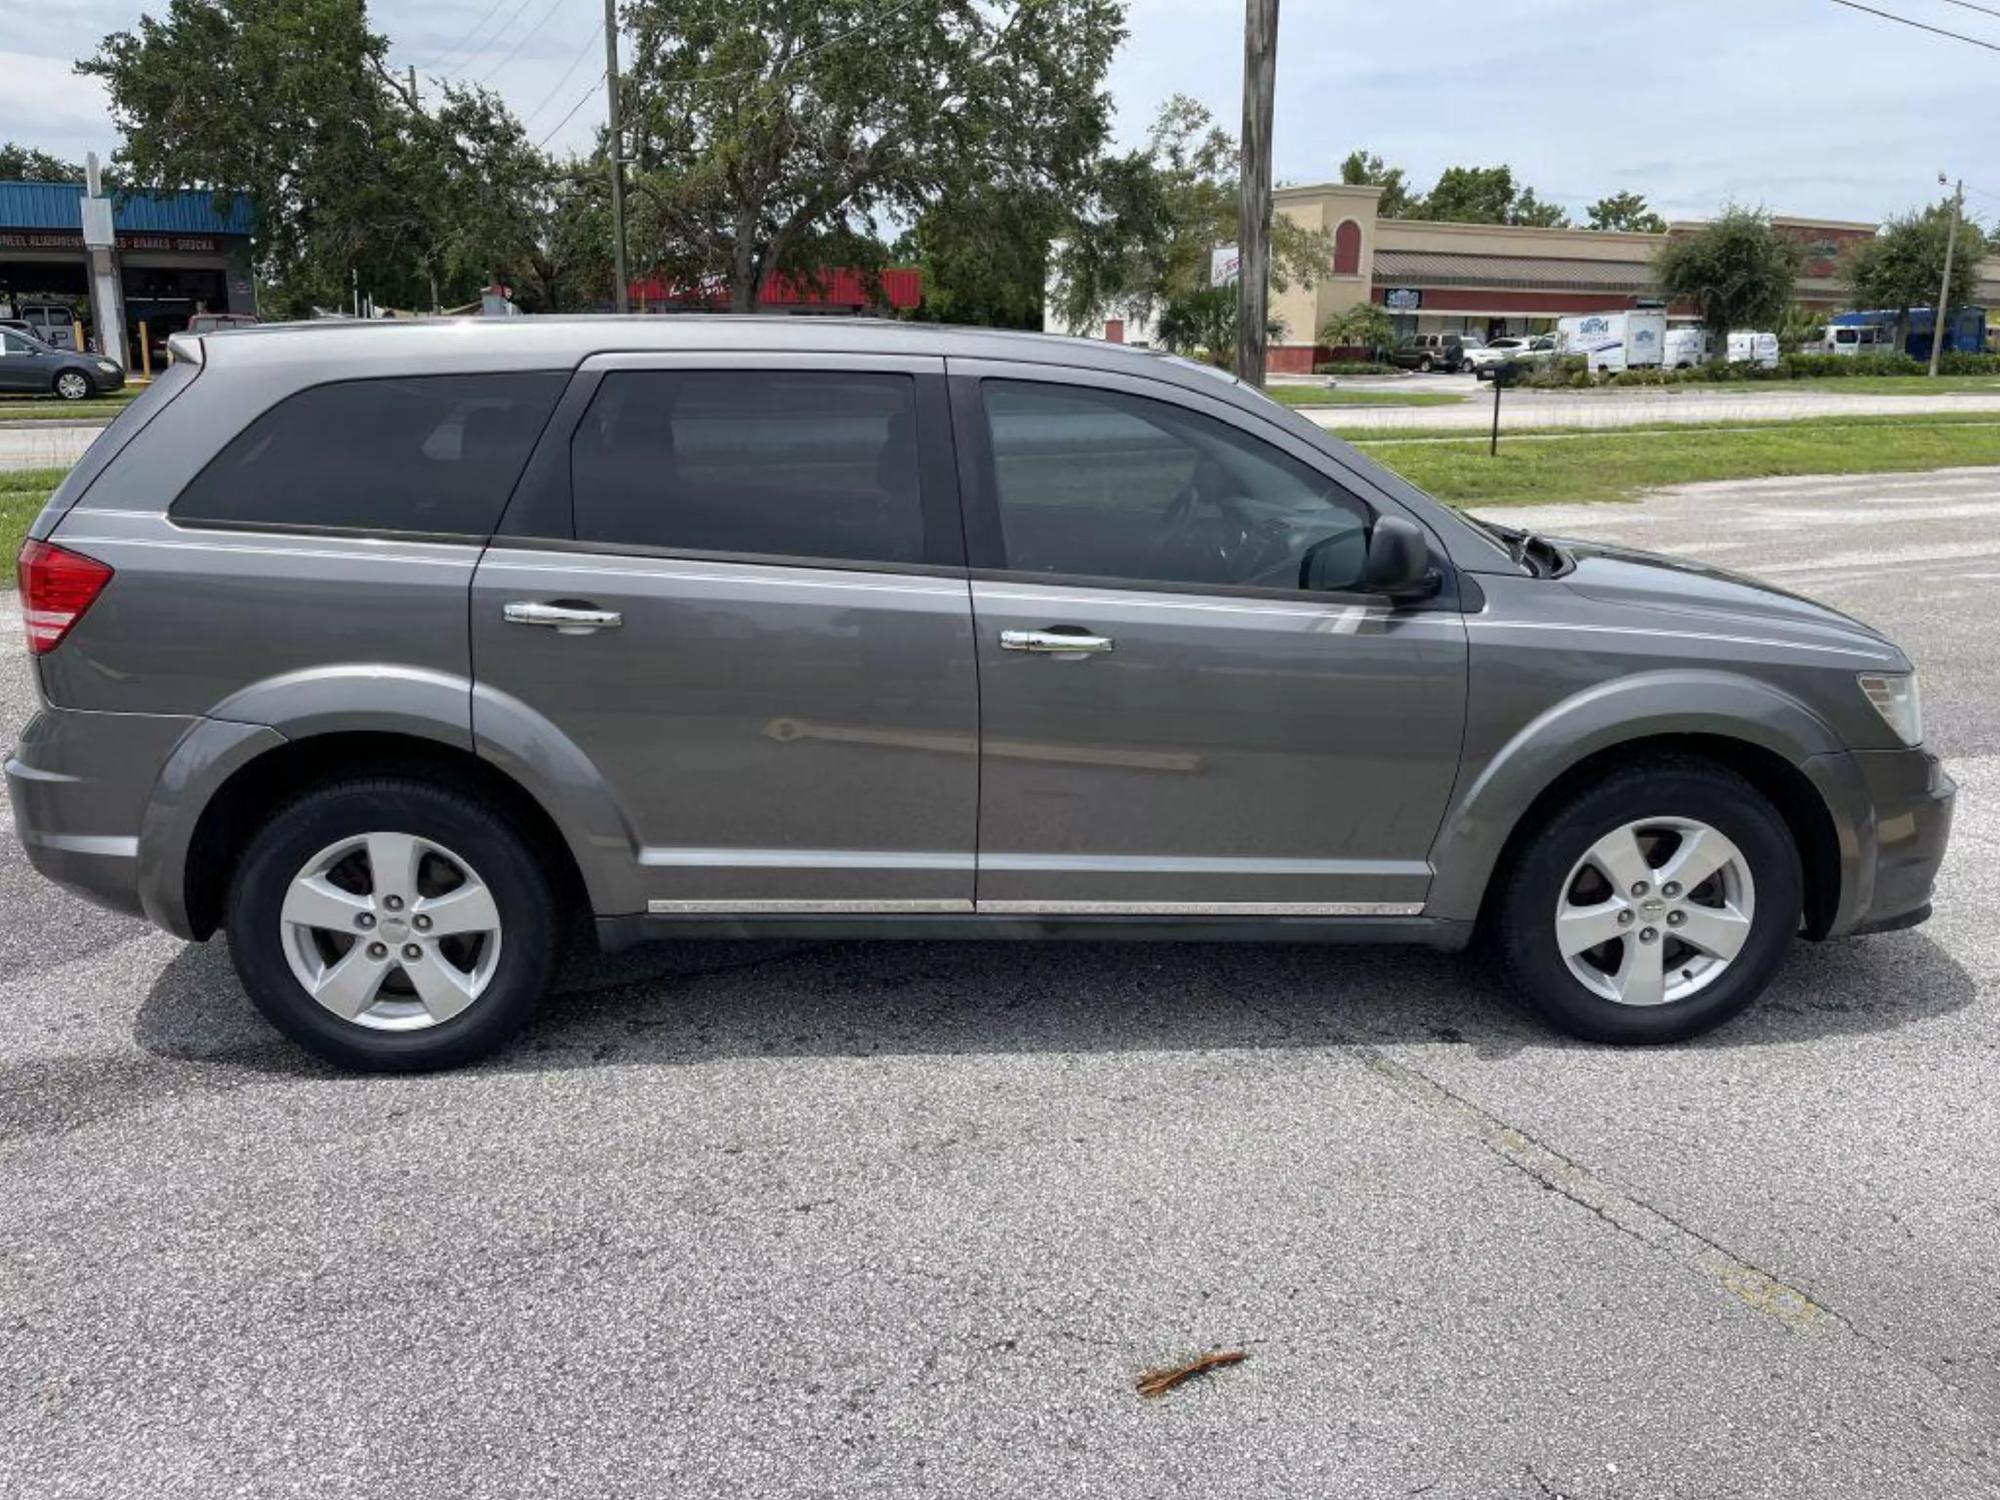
(392, 648)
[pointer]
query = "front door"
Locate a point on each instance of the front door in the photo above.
(738, 590)
(23, 365)
(1188, 705)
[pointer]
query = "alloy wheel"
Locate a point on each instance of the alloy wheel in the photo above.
(391, 931)
(72, 386)
(1655, 911)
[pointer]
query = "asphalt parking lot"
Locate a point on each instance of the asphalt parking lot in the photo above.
(908, 1220)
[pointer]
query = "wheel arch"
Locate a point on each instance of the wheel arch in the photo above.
(1797, 800)
(1769, 738)
(242, 802)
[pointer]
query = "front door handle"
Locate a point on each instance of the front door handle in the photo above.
(1057, 641)
(564, 619)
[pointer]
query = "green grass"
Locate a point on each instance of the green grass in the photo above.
(1319, 395)
(1617, 465)
(1749, 423)
(23, 492)
(18, 409)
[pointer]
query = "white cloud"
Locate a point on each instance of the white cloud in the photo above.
(46, 105)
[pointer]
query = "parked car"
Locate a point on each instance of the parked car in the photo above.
(1524, 349)
(1494, 352)
(747, 628)
(1750, 348)
(31, 366)
(1684, 347)
(1434, 351)
(51, 323)
(1852, 339)
(218, 322)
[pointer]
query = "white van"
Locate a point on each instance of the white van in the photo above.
(1850, 339)
(1614, 341)
(1684, 348)
(1759, 349)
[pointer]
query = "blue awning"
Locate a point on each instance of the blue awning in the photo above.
(58, 205)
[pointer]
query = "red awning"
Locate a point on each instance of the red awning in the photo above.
(901, 287)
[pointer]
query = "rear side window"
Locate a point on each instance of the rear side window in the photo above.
(808, 464)
(432, 454)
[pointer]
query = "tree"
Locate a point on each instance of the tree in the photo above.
(1485, 195)
(1737, 270)
(1366, 325)
(1366, 169)
(291, 103)
(985, 256)
(771, 138)
(1202, 323)
(1627, 212)
(25, 164)
(1153, 216)
(1903, 265)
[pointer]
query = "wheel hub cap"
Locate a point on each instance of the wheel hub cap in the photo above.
(1655, 911)
(391, 931)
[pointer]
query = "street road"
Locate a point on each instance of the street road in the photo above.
(1629, 406)
(879, 1220)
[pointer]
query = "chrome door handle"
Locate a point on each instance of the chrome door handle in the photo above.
(1055, 643)
(565, 619)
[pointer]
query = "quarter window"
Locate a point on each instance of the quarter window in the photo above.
(812, 464)
(1098, 484)
(435, 454)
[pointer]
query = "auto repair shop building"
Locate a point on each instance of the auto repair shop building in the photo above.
(169, 255)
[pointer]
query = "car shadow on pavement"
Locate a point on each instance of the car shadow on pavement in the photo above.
(672, 1003)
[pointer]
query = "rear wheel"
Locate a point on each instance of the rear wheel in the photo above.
(1658, 904)
(73, 385)
(392, 925)
(1425, 365)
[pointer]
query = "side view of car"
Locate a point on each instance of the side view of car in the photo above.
(393, 650)
(29, 366)
(1427, 352)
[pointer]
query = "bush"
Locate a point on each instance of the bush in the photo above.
(1558, 373)
(1834, 366)
(1957, 362)
(1353, 367)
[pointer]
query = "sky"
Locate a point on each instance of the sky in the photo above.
(1798, 106)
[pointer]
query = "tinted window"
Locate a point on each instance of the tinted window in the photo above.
(809, 464)
(434, 453)
(1103, 485)
(15, 344)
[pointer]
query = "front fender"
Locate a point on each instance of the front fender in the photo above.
(1493, 796)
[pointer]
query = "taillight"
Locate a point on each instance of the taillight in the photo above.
(57, 586)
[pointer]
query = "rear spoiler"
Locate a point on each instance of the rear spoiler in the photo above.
(185, 348)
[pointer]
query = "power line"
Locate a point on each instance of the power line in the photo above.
(521, 41)
(1968, 5)
(1956, 36)
(481, 48)
(570, 114)
(549, 97)
(477, 27)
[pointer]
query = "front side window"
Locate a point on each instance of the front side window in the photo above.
(812, 464)
(1097, 484)
(435, 454)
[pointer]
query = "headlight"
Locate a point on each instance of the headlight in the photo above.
(109, 367)
(1896, 700)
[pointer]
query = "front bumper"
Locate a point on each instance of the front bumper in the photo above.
(1913, 800)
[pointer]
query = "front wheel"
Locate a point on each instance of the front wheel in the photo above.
(73, 385)
(1424, 365)
(389, 924)
(1656, 905)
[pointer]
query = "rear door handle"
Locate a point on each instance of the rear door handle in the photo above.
(1055, 642)
(564, 619)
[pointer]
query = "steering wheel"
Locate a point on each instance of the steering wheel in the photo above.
(1232, 547)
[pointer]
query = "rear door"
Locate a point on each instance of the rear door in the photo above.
(21, 368)
(736, 586)
(1187, 704)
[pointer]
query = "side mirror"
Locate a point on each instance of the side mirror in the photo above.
(1399, 560)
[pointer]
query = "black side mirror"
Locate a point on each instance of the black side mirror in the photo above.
(1399, 560)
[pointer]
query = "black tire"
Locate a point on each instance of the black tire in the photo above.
(1424, 365)
(1683, 788)
(529, 913)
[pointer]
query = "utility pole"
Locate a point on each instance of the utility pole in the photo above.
(416, 101)
(1253, 273)
(1939, 327)
(620, 292)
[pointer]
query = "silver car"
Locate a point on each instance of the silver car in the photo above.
(391, 648)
